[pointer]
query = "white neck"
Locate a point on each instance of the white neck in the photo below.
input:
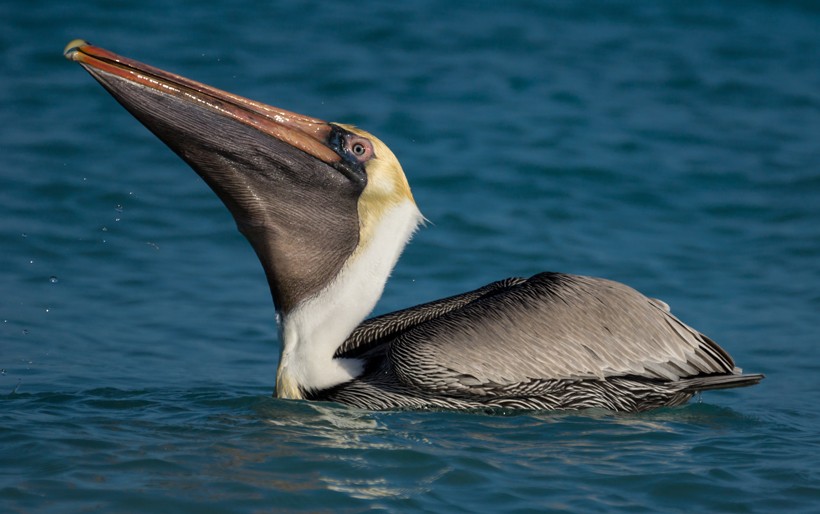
(313, 331)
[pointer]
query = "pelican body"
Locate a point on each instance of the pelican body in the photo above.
(328, 210)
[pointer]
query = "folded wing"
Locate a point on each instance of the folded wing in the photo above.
(550, 327)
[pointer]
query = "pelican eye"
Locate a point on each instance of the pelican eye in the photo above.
(359, 148)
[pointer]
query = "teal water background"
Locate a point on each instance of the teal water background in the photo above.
(674, 146)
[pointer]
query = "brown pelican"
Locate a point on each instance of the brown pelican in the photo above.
(328, 210)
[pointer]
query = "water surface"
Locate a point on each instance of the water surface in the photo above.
(671, 147)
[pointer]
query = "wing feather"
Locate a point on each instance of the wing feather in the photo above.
(376, 331)
(551, 327)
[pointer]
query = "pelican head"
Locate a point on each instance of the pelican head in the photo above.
(326, 206)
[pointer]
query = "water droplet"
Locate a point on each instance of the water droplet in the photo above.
(105, 229)
(2, 371)
(152, 245)
(25, 331)
(31, 261)
(118, 208)
(116, 219)
(47, 310)
(24, 234)
(53, 279)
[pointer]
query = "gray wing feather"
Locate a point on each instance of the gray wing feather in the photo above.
(553, 326)
(375, 331)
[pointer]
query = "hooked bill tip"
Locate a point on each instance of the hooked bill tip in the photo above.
(73, 47)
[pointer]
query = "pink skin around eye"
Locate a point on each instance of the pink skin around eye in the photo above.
(360, 148)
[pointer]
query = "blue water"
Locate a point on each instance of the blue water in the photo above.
(674, 146)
